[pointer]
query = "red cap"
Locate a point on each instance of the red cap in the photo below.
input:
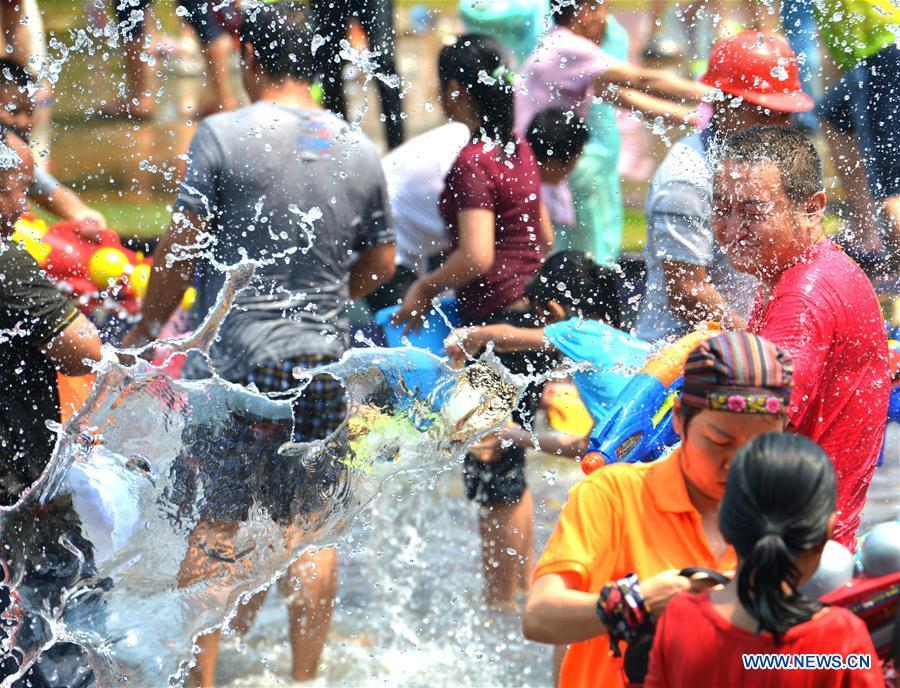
(760, 68)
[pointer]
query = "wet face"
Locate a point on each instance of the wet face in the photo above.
(762, 231)
(15, 178)
(16, 109)
(710, 441)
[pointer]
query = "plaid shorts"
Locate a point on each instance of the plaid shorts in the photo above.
(321, 407)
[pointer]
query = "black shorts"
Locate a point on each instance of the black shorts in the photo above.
(498, 482)
(198, 13)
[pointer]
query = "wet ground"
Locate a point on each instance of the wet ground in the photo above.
(410, 607)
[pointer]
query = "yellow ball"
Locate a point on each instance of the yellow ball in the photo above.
(190, 296)
(140, 276)
(107, 264)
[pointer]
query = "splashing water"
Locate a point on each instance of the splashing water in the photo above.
(166, 501)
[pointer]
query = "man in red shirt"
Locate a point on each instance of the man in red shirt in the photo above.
(814, 302)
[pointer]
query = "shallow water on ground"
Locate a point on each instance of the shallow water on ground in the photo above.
(409, 609)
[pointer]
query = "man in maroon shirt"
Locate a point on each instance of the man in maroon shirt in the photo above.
(814, 302)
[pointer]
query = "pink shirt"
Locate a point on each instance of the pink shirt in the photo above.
(560, 73)
(824, 313)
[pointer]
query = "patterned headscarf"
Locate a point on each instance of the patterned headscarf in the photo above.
(738, 372)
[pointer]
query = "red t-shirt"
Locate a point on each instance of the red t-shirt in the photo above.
(510, 186)
(824, 313)
(695, 646)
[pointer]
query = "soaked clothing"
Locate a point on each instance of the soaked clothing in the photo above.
(302, 191)
(319, 409)
(691, 631)
(864, 103)
(824, 313)
(625, 518)
(496, 482)
(248, 468)
(854, 30)
(560, 73)
(509, 186)
(415, 175)
(32, 312)
(679, 207)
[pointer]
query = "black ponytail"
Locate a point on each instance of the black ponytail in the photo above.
(478, 64)
(780, 495)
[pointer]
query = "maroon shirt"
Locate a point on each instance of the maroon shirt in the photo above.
(824, 313)
(510, 187)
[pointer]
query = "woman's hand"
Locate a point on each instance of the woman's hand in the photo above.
(416, 304)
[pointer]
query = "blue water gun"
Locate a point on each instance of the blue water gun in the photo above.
(639, 426)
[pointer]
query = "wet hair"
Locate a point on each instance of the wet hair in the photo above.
(798, 163)
(282, 38)
(479, 65)
(575, 281)
(565, 11)
(14, 74)
(780, 495)
(556, 135)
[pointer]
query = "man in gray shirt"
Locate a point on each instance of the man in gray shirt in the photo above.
(689, 277)
(294, 187)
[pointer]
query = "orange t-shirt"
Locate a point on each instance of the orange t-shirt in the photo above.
(622, 519)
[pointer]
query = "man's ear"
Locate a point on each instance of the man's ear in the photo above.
(814, 207)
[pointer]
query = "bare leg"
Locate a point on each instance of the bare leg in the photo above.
(217, 55)
(851, 172)
(657, 10)
(139, 100)
(310, 587)
(203, 673)
(507, 536)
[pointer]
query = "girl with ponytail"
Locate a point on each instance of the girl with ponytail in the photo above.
(777, 513)
(499, 231)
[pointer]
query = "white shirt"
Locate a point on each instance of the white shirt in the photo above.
(415, 175)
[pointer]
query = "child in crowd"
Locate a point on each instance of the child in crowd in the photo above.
(17, 90)
(578, 301)
(777, 513)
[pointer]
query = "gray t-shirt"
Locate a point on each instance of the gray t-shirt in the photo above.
(679, 212)
(302, 191)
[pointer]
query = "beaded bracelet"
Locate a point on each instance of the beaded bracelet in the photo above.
(623, 610)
